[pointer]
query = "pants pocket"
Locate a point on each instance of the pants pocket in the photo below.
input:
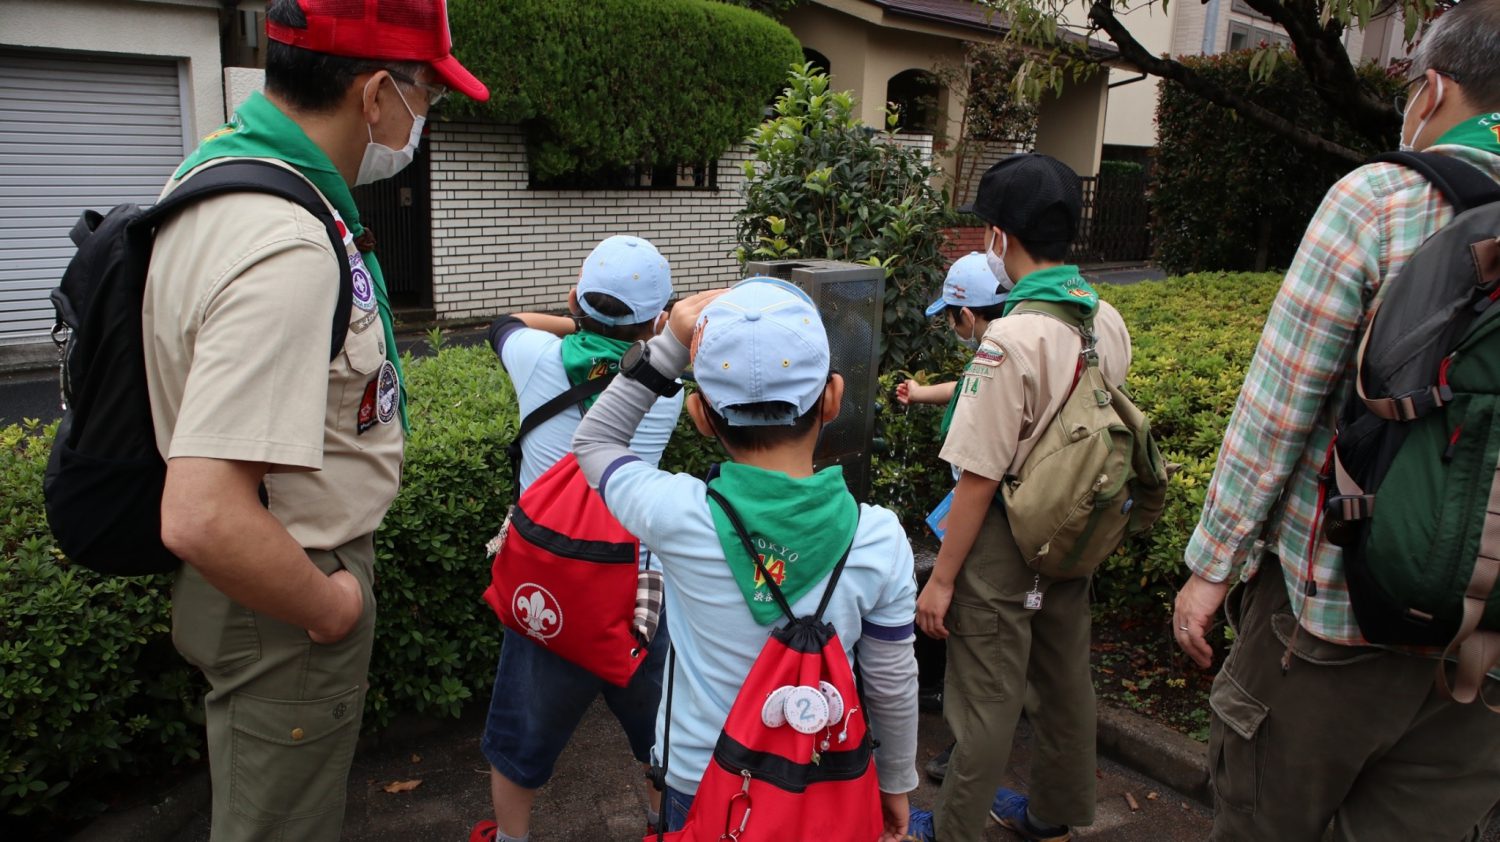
(211, 631)
(976, 666)
(1236, 753)
(290, 759)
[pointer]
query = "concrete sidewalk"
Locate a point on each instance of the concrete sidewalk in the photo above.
(599, 793)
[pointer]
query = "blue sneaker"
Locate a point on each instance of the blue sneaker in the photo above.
(919, 826)
(1009, 809)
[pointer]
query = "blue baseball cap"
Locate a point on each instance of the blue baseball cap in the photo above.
(761, 342)
(630, 269)
(970, 283)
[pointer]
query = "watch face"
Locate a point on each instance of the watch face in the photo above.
(632, 356)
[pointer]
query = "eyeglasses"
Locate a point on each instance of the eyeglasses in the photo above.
(1404, 97)
(435, 93)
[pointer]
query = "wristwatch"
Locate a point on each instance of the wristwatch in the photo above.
(635, 363)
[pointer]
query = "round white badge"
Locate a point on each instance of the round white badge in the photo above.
(387, 393)
(773, 713)
(806, 710)
(835, 701)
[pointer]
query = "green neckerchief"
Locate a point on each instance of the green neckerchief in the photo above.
(952, 406)
(260, 130)
(801, 527)
(1061, 284)
(589, 356)
(1482, 132)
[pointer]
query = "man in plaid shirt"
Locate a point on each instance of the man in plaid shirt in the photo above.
(1348, 733)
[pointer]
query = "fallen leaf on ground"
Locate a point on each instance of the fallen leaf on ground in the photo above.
(1151, 796)
(402, 786)
(416, 758)
(1135, 806)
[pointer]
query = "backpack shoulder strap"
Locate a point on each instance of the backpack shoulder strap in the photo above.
(265, 177)
(572, 396)
(1464, 185)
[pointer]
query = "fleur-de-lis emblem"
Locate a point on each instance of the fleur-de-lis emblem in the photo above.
(538, 611)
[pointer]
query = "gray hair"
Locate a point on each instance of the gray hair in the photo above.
(1465, 43)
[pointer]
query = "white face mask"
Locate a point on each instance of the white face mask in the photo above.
(1411, 147)
(381, 161)
(997, 264)
(972, 340)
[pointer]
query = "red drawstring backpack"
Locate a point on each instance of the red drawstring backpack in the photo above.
(565, 575)
(794, 760)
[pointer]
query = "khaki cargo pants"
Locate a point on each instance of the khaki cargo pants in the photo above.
(1353, 735)
(1001, 656)
(283, 713)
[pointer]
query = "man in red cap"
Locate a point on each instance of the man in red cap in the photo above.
(280, 463)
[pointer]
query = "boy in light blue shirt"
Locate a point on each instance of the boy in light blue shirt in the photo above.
(539, 698)
(765, 391)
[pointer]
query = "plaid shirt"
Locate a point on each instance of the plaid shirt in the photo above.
(1369, 224)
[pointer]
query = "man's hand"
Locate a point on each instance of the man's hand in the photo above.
(1193, 615)
(932, 607)
(344, 614)
(896, 810)
(684, 316)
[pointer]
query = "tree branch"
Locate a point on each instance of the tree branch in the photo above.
(1321, 51)
(1102, 14)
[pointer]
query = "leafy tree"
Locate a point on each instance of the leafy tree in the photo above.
(995, 119)
(1316, 28)
(821, 184)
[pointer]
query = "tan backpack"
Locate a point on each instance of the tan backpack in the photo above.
(1094, 478)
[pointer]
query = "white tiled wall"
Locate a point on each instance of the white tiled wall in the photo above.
(500, 247)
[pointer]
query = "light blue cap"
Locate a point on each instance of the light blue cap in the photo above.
(970, 283)
(763, 341)
(630, 269)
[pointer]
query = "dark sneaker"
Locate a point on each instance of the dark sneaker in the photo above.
(1009, 809)
(919, 827)
(937, 767)
(484, 831)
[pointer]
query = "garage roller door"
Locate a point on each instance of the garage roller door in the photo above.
(75, 133)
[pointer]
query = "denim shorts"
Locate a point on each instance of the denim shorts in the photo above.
(674, 809)
(539, 699)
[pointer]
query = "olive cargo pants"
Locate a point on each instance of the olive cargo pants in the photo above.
(283, 713)
(1356, 735)
(997, 647)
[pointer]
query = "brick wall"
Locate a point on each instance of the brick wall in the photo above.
(961, 241)
(499, 247)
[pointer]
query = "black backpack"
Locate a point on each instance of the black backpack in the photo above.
(104, 481)
(1420, 435)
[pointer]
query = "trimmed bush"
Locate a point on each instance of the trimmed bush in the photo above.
(1192, 340)
(1229, 195)
(824, 185)
(601, 84)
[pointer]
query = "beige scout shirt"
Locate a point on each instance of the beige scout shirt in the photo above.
(239, 299)
(1019, 379)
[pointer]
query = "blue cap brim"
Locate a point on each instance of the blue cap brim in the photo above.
(936, 307)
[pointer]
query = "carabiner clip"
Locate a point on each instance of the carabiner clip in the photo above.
(742, 795)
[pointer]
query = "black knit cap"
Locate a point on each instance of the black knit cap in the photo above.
(1035, 197)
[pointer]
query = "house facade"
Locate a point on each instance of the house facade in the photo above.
(100, 99)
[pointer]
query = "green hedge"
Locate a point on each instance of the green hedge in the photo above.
(1193, 337)
(1228, 193)
(601, 84)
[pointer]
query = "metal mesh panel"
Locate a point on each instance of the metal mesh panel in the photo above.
(850, 298)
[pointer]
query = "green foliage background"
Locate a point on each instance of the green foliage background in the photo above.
(1223, 185)
(91, 689)
(600, 84)
(823, 185)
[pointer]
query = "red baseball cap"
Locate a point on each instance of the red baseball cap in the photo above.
(395, 30)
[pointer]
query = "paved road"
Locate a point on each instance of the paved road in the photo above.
(599, 794)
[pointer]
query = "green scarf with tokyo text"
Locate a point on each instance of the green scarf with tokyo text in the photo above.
(1060, 284)
(1481, 132)
(589, 356)
(800, 528)
(260, 130)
